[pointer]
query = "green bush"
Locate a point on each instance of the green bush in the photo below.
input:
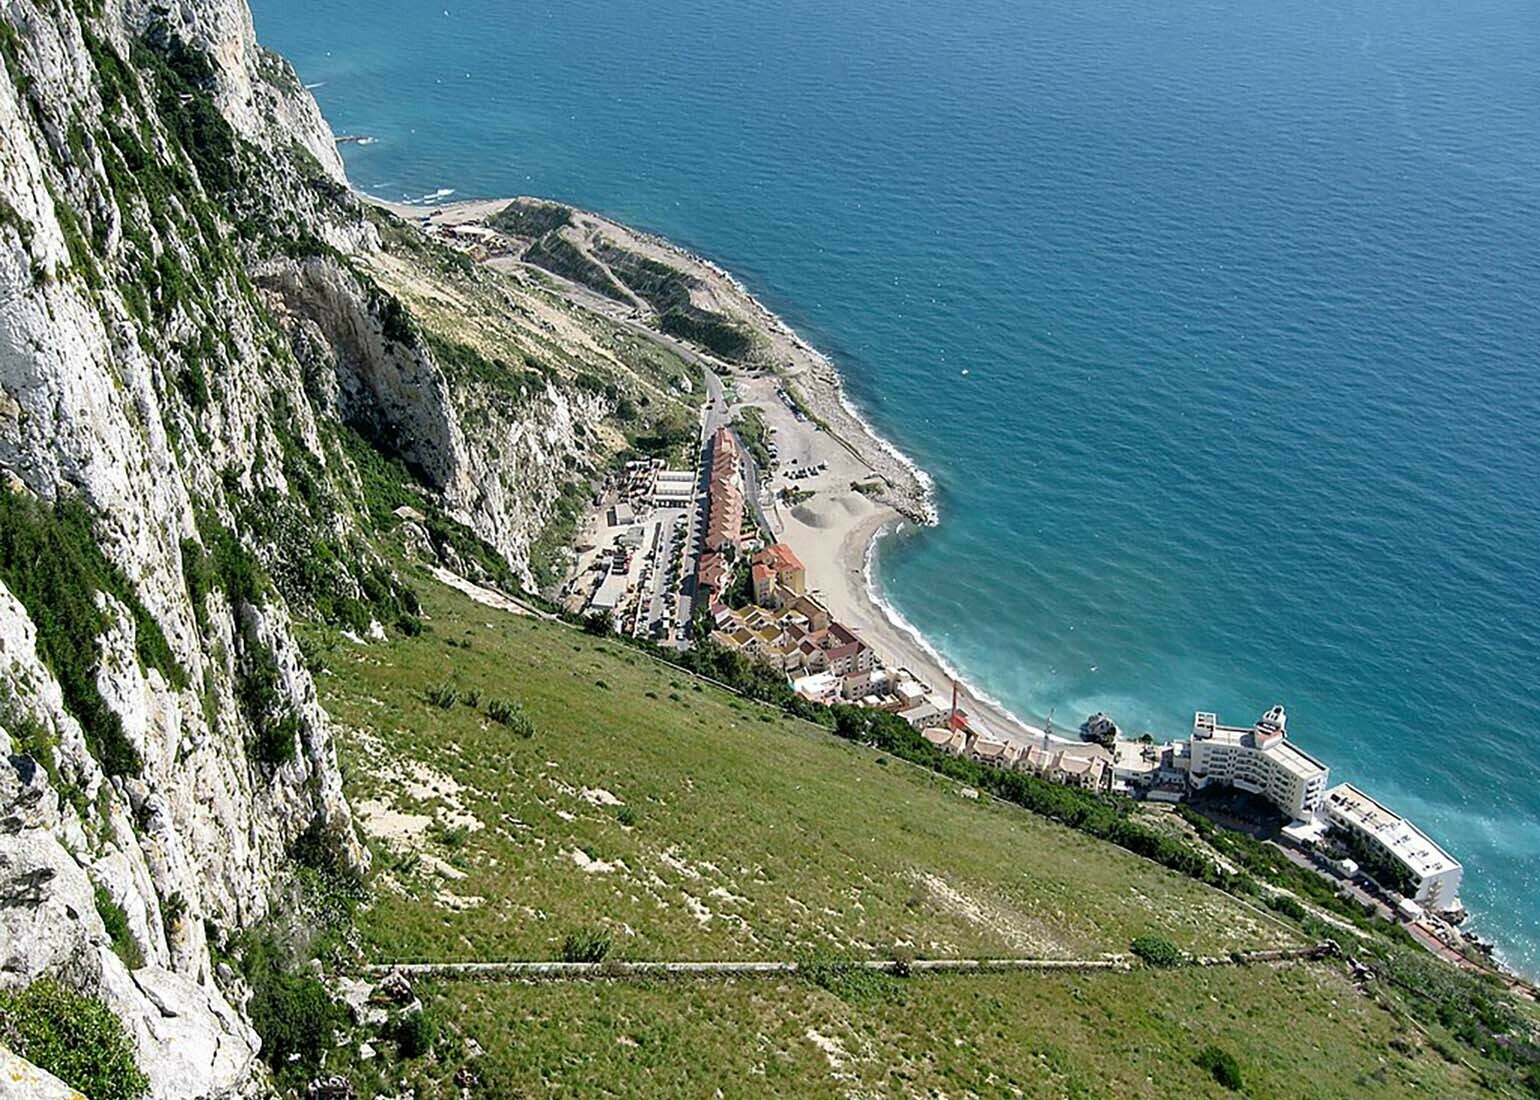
(275, 727)
(231, 565)
(1221, 1064)
(74, 1038)
(293, 1015)
(511, 715)
(415, 1033)
(123, 943)
(1288, 906)
(1157, 951)
(851, 982)
(587, 945)
(443, 696)
(1532, 1080)
(198, 572)
(184, 81)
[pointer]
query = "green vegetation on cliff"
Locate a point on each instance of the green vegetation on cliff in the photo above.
(51, 560)
(73, 1037)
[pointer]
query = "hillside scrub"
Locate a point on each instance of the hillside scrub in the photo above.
(587, 945)
(755, 435)
(1158, 951)
(51, 561)
(75, 1038)
(716, 333)
(116, 921)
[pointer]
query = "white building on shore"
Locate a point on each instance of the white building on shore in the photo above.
(1259, 759)
(1435, 873)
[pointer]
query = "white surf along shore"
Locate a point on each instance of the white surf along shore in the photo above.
(852, 487)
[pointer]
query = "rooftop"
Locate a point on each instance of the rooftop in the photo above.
(780, 557)
(1268, 736)
(1400, 837)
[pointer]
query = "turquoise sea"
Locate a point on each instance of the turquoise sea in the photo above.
(1247, 294)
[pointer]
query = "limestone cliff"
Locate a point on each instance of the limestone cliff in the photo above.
(204, 353)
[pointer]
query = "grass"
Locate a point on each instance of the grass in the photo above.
(650, 819)
(747, 838)
(1295, 1032)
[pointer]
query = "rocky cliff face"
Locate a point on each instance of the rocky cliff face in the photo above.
(108, 279)
(193, 350)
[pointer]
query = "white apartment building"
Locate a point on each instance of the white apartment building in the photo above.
(1259, 759)
(1435, 872)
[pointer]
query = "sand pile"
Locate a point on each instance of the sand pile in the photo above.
(832, 511)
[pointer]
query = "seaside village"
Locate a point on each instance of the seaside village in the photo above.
(667, 550)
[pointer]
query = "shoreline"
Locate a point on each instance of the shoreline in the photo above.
(835, 533)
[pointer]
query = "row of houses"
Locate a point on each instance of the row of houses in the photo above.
(1083, 766)
(724, 520)
(724, 501)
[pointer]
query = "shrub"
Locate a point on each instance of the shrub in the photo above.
(123, 943)
(198, 572)
(511, 715)
(597, 624)
(74, 1038)
(294, 1015)
(443, 696)
(626, 816)
(276, 728)
(1287, 905)
(1221, 1064)
(415, 1033)
(1157, 951)
(847, 980)
(231, 565)
(587, 945)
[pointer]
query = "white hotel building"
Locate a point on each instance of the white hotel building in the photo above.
(1259, 759)
(1435, 871)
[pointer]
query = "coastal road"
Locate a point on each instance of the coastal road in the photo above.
(714, 413)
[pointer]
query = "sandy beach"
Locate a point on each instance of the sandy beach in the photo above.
(825, 451)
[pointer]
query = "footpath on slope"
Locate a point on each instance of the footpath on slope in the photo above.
(519, 969)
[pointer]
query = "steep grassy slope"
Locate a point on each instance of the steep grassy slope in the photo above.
(693, 824)
(686, 823)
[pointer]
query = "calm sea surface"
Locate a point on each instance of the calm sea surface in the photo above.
(1247, 296)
